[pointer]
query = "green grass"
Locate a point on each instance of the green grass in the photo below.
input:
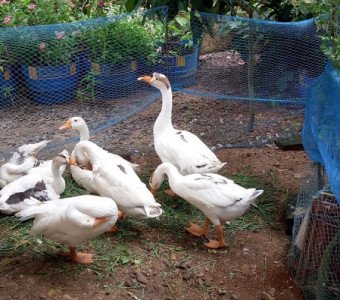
(112, 250)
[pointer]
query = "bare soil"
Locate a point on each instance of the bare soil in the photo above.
(252, 267)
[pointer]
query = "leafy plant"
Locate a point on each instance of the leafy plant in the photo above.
(58, 49)
(120, 42)
(328, 26)
(27, 12)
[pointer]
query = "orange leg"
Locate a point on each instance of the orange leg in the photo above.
(212, 244)
(80, 257)
(170, 192)
(113, 229)
(121, 214)
(197, 230)
(98, 221)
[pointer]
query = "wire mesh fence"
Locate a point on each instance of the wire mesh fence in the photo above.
(51, 72)
(314, 256)
(263, 69)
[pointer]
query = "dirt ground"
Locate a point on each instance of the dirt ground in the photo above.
(177, 266)
(253, 267)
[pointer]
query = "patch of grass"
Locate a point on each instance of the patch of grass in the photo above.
(264, 214)
(113, 250)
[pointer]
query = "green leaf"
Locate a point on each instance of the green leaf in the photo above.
(182, 21)
(130, 5)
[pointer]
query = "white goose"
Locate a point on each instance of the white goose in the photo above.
(181, 148)
(82, 172)
(119, 182)
(20, 163)
(73, 220)
(219, 198)
(32, 189)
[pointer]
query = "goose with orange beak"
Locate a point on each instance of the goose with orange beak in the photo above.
(73, 220)
(32, 189)
(181, 148)
(82, 172)
(21, 162)
(219, 198)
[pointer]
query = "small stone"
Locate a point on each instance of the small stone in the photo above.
(221, 292)
(128, 282)
(141, 278)
(186, 276)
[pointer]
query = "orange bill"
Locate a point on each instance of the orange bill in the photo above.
(147, 79)
(67, 125)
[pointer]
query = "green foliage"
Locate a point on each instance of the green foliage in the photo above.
(119, 42)
(25, 12)
(328, 25)
(58, 48)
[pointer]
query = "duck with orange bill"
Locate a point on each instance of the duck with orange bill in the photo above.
(82, 172)
(73, 220)
(181, 148)
(32, 189)
(21, 162)
(219, 198)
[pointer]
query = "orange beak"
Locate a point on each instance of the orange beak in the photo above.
(72, 162)
(67, 125)
(147, 79)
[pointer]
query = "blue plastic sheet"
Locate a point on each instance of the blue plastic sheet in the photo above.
(321, 131)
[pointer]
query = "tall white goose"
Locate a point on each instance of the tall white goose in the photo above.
(82, 172)
(181, 148)
(32, 189)
(20, 163)
(73, 220)
(219, 198)
(119, 182)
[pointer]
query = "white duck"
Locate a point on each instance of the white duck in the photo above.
(181, 148)
(32, 189)
(82, 172)
(219, 198)
(20, 163)
(73, 220)
(119, 182)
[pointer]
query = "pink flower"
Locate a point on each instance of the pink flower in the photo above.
(7, 19)
(101, 3)
(32, 6)
(4, 2)
(59, 34)
(42, 46)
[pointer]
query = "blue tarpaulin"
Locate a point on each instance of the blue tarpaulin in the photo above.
(321, 131)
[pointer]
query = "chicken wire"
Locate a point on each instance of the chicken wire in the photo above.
(89, 68)
(314, 256)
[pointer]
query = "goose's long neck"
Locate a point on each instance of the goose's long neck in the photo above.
(164, 118)
(58, 182)
(90, 152)
(84, 133)
(171, 171)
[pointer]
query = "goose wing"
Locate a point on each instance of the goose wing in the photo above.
(187, 152)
